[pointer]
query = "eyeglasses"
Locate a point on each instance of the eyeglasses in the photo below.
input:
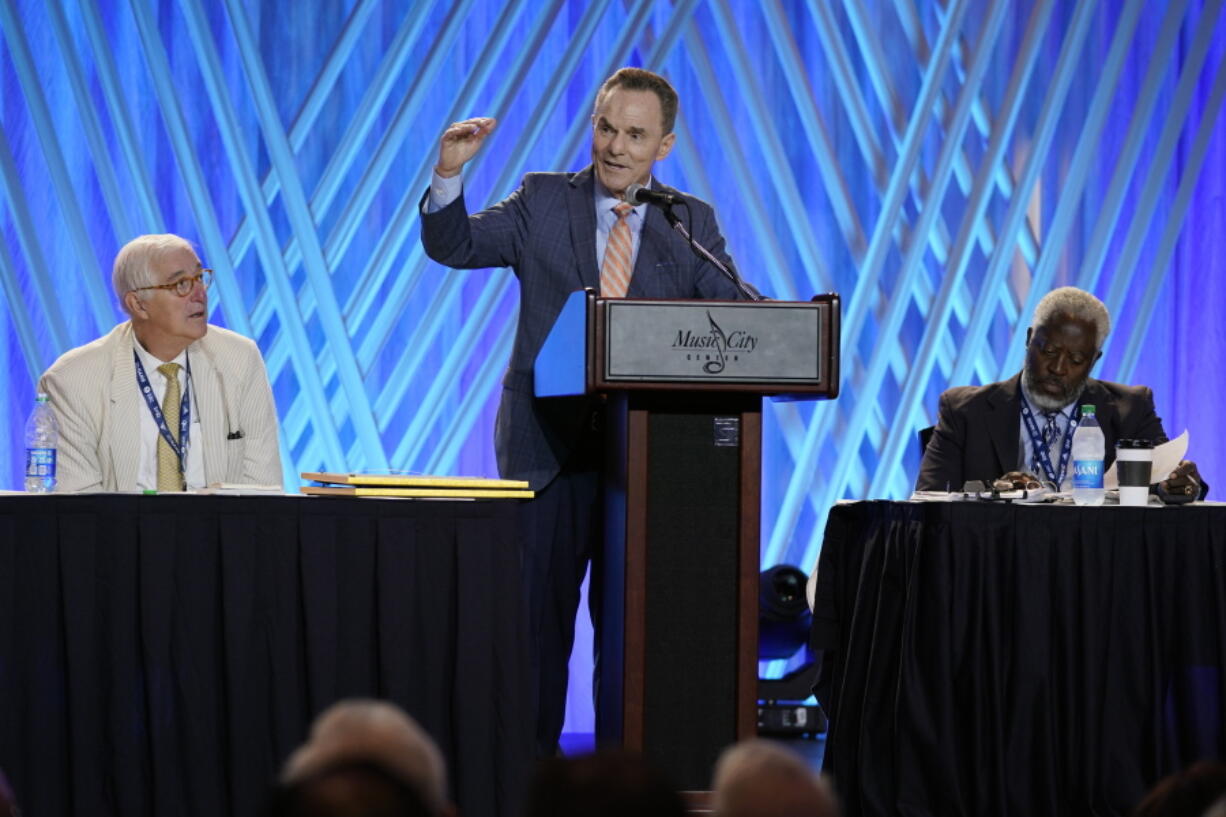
(184, 286)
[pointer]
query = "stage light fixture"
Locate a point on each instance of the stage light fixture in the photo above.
(784, 619)
(783, 613)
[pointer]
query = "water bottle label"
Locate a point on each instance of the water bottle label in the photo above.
(1087, 474)
(40, 462)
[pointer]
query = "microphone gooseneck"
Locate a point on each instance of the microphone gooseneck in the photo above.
(638, 194)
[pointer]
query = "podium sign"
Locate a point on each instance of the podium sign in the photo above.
(771, 348)
(696, 342)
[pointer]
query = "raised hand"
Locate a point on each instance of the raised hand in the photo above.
(460, 143)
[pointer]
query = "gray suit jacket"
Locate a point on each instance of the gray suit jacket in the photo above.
(979, 427)
(546, 232)
(98, 404)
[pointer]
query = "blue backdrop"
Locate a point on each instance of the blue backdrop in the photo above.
(941, 165)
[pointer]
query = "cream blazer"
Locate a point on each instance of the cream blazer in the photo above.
(96, 400)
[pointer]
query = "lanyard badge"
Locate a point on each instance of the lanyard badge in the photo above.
(159, 419)
(1040, 448)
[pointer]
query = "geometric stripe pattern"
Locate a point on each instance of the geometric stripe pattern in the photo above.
(940, 165)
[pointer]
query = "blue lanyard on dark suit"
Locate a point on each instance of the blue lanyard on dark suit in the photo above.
(1040, 448)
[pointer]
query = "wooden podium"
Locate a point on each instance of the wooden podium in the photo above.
(678, 574)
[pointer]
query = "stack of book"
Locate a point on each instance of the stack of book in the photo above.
(428, 487)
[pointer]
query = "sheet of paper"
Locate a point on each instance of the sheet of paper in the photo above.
(935, 496)
(238, 489)
(1166, 457)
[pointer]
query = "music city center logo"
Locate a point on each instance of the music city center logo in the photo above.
(716, 347)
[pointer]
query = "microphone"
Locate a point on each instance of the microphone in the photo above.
(637, 194)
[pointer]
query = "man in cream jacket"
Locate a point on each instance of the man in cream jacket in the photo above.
(164, 401)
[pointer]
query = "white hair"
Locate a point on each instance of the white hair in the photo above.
(133, 266)
(377, 732)
(1077, 303)
(762, 778)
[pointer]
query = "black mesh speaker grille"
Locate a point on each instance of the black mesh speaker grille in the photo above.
(690, 660)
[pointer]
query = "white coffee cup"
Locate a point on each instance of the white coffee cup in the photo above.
(1134, 460)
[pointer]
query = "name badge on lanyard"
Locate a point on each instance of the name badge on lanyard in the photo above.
(185, 412)
(1040, 448)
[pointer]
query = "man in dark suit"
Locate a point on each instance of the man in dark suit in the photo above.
(560, 232)
(982, 433)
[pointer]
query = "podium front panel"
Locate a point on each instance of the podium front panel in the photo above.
(678, 645)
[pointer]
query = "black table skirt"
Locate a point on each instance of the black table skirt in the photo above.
(1008, 660)
(163, 655)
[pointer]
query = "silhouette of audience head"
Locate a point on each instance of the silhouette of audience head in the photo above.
(8, 800)
(761, 778)
(362, 747)
(349, 790)
(608, 783)
(1189, 793)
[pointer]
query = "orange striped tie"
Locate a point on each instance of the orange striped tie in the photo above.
(617, 267)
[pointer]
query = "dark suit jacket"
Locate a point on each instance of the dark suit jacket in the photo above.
(546, 232)
(978, 430)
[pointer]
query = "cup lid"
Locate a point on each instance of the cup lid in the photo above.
(1134, 443)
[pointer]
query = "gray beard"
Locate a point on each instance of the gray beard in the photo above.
(1049, 404)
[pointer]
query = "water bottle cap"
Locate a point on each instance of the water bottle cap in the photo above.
(1087, 410)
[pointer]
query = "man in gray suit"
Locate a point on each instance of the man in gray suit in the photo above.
(560, 232)
(163, 401)
(1022, 428)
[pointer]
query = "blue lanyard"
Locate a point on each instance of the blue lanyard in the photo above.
(1040, 448)
(185, 411)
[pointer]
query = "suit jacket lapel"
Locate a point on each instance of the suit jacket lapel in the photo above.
(1003, 422)
(581, 207)
(208, 402)
(122, 429)
(1105, 410)
(1107, 414)
(653, 243)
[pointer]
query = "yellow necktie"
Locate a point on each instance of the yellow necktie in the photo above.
(170, 474)
(616, 269)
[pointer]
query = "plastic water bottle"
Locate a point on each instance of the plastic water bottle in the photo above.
(1088, 452)
(42, 436)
